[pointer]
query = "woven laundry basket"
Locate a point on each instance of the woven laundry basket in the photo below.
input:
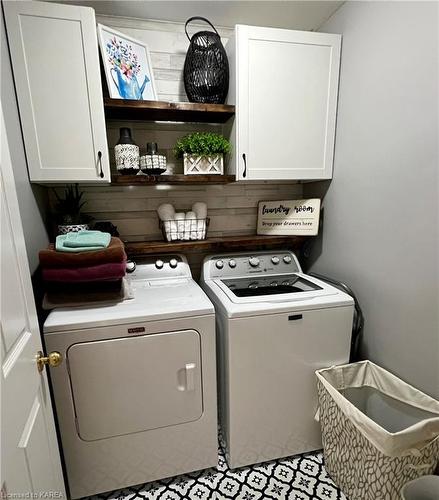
(364, 458)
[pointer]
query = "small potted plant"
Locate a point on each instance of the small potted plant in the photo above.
(68, 210)
(202, 152)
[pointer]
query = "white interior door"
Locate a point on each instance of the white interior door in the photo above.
(55, 63)
(30, 462)
(287, 99)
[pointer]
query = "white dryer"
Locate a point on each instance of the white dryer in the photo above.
(275, 327)
(135, 394)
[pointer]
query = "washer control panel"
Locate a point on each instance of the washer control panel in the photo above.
(257, 263)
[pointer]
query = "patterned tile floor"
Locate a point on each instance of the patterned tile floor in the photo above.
(302, 477)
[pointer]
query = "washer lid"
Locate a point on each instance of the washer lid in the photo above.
(270, 285)
(297, 287)
(313, 294)
(154, 300)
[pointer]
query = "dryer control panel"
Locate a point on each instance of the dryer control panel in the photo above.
(250, 264)
(161, 266)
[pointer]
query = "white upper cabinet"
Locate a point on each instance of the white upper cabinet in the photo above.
(284, 84)
(55, 63)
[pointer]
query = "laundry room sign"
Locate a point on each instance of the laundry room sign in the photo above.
(294, 217)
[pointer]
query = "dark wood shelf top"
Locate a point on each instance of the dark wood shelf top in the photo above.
(218, 244)
(146, 180)
(125, 109)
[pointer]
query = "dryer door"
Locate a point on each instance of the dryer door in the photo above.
(126, 385)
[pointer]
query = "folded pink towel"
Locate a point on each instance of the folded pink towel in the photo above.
(110, 271)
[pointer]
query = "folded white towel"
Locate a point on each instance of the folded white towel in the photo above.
(187, 227)
(173, 229)
(192, 219)
(180, 219)
(167, 226)
(201, 229)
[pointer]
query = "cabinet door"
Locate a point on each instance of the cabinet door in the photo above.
(55, 63)
(286, 103)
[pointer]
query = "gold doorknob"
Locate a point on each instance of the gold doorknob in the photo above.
(54, 359)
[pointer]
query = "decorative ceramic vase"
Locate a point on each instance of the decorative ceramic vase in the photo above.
(127, 153)
(152, 163)
(71, 228)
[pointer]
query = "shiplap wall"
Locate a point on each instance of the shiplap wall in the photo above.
(232, 208)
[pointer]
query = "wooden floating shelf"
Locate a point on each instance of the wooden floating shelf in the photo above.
(125, 109)
(148, 180)
(219, 244)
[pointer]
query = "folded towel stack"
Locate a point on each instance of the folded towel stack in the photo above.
(84, 268)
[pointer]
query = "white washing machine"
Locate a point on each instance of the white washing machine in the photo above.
(275, 327)
(135, 394)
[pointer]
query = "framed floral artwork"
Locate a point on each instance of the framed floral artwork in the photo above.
(127, 65)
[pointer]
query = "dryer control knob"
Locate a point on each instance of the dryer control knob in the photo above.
(275, 260)
(173, 263)
(159, 264)
(232, 263)
(253, 261)
(131, 266)
(219, 264)
(287, 259)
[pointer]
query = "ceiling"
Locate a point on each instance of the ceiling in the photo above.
(304, 15)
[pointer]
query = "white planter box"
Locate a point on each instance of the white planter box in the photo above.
(196, 165)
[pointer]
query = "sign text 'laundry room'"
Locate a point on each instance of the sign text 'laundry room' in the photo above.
(289, 217)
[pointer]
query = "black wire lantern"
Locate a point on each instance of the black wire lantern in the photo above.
(206, 67)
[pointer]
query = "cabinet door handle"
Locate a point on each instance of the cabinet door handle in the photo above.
(295, 317)
(244, 174)
(101, 173)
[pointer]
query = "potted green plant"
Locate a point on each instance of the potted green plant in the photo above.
(68, 210)
(202, 152)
